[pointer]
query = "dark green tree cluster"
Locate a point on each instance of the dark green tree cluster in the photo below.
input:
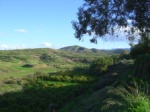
(100, 65)
(46, 58)
(140, 49)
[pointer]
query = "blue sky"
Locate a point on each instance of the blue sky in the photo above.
(44, 23)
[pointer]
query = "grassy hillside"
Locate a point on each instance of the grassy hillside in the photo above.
(18, 63)
(48, 80)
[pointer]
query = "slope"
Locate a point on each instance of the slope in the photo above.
(79, 49)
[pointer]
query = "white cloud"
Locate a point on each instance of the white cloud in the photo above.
(10, 47)
(21, 30)
(4, 46)
(22, 46)
(46, 44)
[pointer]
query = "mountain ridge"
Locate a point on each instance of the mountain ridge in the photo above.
(80, 49)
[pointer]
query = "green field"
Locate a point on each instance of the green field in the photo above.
(13, 63)
(17, 64)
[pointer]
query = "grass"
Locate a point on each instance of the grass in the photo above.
(36, 89)
(5, 88)
(29, 83)
(16, 70)
(13, 70)
(127, 100)
(59, 83)
(12, 65)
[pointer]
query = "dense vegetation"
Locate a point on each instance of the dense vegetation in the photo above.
(47, 80)
(100, 18)
(77, 79)
(40, 90)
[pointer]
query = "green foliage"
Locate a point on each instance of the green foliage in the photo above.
(126, 99)
(125, 56)
(140, 49)
(142, 66)
(115, 58)
(46, 58)
(6, 58)
(28, 65)
(39, 95)
(67, 76)
(18, 63)
(100, 65)
(56, 85)
(103, 17)
(10, 81)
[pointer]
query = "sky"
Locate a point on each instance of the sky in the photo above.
(45, 24)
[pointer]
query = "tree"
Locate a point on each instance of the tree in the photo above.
(100, 65)
(139, 49)
(102, 17)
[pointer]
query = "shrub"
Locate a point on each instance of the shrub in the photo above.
(126, 99)
(6, 58)
(28, 65)
(46, 58)
(100, 65)
(10, 81)
(115, 58)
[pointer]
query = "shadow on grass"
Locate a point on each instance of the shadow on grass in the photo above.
(41, 97)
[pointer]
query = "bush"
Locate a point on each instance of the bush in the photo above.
(126, 100)
(28, 65)
(10, 81)
(115, 58)
(46, 58)
(100, 65)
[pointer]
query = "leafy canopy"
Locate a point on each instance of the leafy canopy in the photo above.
(101, 17)
(100, 65)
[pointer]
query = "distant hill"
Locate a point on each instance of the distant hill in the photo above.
(79, 49)
(118, 51)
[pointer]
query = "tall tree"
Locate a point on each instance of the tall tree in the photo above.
(102, 17)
